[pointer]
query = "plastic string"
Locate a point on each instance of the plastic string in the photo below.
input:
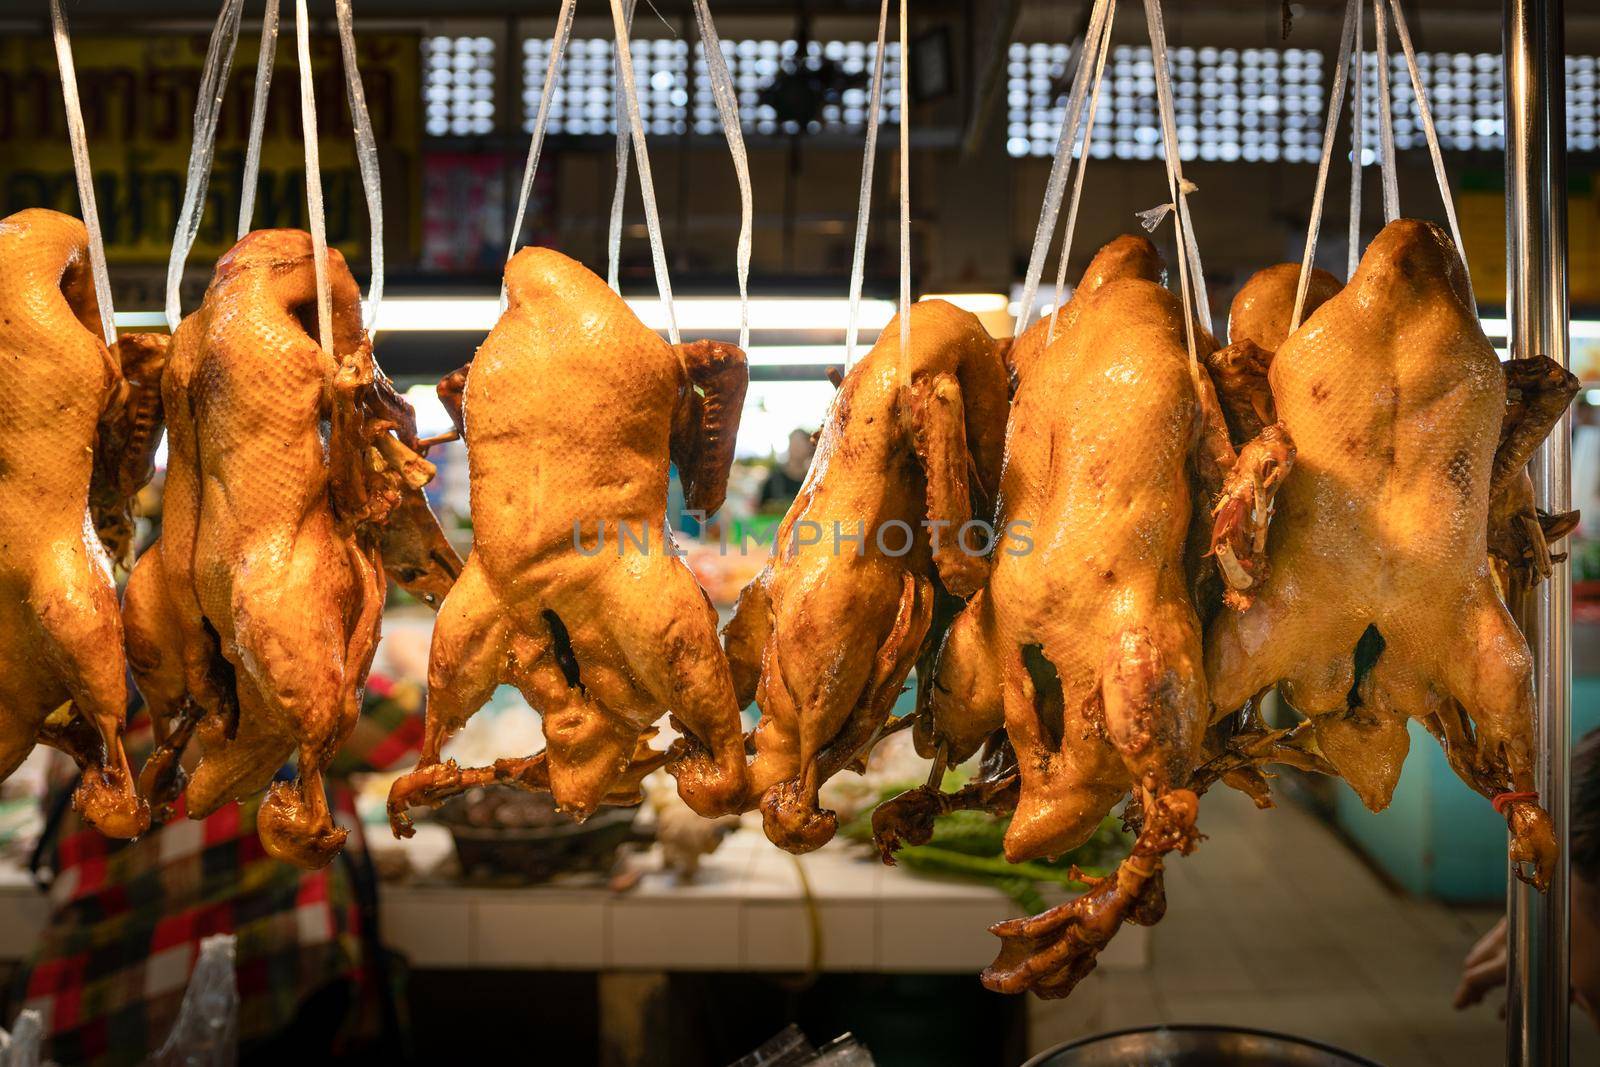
(558, 46)
(258, 115)
(1391, 184)
(1104, 49)
(620, 194)
(208, 105)
(1427, 128)
(1341, 69)
(905, 200)
(1056, 187)
(858, 260)
(366, 157)
(1190, 275)
(722, 91)
(647, 186)
(1357, 146)
(80, 169)
(314, 206)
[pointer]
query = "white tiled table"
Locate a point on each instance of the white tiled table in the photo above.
(746, 911)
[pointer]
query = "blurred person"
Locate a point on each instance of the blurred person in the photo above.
(788, 474)
(1485, 967)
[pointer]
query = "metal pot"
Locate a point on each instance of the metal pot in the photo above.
(1197, 1046)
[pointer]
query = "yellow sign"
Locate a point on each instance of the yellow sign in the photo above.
(1483, 229)
(138, 97)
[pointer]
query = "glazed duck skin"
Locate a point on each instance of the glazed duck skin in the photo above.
(1258, 324)
(62, 670)
(252, 622)
(826, 634)
(1397, 403)
(571, 411)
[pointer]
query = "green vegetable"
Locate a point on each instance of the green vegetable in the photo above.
(970, 845)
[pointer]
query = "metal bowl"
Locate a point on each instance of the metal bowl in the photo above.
(501, 836)
(1197, 1046)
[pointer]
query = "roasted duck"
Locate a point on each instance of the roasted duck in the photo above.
(76, 422)
(1258, 323)
(1085, 646)
(573, 592)
(825, 635)
(1381, 604)
(252, 622)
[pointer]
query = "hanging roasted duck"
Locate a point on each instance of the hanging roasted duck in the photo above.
(1085, 646)
(78, 446)
(252, 622)
(1382, 603)
(1258, 323)
(573, 591)
(825, 635)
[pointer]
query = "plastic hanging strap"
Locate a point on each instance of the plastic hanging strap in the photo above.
(366, 157)
(858, 260)
(905, 201)
(1391, 184)
(558, 46)
(647, 185)
(207, 107)
(1191, 274)
(1428, 131)
(1056, 187)
(1341, 69)
(619, 195)
(1358, 136)
(722, 91)
(314, 205)
(258, 115)
(1103, 50)
(80, 169)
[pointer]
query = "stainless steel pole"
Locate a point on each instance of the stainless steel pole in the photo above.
(1536, 307)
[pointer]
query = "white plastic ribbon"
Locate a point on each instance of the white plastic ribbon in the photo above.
(1428, 131)
(207, 108)
(558, 46)
(81, 170)
(314, 206)
(1055, 188)
(727, 99)
(1357, 146)
(1103, 47)
(1191, 276)
(1341, 69)
(366, 157)
(905, 200)
(258, 116)
(619, 195)
(647, 185)
(1391, 183)
(858, 259)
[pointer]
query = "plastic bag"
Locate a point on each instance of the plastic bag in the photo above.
(20, 1048)
(206, 1033)
(791, 1048)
